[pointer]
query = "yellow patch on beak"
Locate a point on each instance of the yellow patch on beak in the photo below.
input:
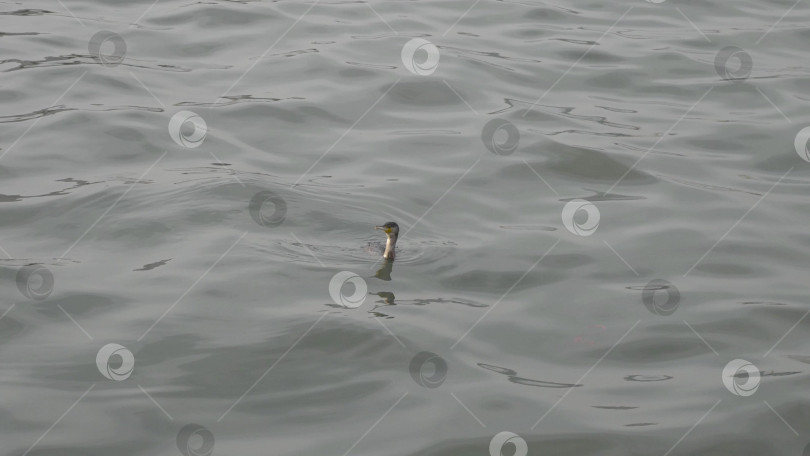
(388, 230)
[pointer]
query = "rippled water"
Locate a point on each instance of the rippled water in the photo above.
(603, 214)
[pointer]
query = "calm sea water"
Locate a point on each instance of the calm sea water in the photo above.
(603, 211)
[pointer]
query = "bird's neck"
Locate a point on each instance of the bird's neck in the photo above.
(389, 247)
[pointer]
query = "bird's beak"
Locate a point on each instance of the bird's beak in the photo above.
(387, 230)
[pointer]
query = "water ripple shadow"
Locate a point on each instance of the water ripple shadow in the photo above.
(513, 377)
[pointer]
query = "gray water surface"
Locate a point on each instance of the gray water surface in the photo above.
(603, 216)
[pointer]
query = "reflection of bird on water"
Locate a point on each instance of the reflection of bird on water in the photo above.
(384, 273)
(392, 231)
